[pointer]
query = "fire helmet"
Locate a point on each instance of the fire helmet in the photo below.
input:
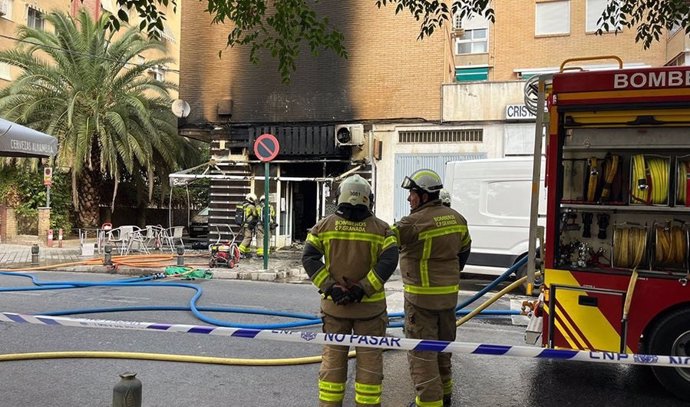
(444, 195)
(355, 190)
(262, 199)
(424, 180)
(250, 197)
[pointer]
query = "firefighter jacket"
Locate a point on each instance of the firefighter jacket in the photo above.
(251, 215)
(434, 246)
(271, 215)
(343, 251)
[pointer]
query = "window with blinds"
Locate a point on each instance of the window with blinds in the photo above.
(595, 9)
(552, 18)
(442, 136)
(35, 19)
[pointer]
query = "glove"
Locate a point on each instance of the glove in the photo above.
(355, 292)
(338, 294)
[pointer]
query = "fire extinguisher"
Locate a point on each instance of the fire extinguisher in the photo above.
(50, 238)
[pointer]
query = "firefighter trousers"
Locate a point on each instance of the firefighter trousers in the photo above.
(430, 371)
(247, 234)
(369, 373)
(260, 239)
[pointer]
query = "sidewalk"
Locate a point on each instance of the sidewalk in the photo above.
(283, 265)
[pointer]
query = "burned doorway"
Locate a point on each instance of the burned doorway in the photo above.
(304, 208)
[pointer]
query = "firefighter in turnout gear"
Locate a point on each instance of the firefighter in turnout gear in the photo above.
(251, 218)
(260, 225)
(434, 247)
(349, 255)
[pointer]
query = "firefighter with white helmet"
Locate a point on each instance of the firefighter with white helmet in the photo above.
(444, 195)
(250, 218)
(260, 225)
(349, 255)
(434, 247)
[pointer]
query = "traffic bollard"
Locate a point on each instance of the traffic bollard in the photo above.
(34, 255)
(108, 255)
(49, 238)
(60, 237)
(180, 255)
(127, 392)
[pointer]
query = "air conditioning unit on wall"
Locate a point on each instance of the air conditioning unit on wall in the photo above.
(349, 135)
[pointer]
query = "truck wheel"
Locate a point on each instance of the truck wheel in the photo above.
(538, 281)
(671, 336)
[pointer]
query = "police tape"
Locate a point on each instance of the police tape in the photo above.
(380, 342)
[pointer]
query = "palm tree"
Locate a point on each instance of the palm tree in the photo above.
(85, 85)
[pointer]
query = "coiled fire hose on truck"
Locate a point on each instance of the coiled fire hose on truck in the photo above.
(650, 179)
(670, 245)
(629, 246)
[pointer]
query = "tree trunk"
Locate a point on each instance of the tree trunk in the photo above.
(89, 200)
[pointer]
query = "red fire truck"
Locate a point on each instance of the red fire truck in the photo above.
(616, 249)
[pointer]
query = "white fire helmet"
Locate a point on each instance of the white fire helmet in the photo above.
(444, 195)
(251, 197)
(424, 180)
(355, 190)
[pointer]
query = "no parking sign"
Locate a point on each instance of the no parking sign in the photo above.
(266, 147)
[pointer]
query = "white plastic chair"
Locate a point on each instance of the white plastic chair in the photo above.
(138, 238)
(172, 235)
(120, 238)
(153, 237)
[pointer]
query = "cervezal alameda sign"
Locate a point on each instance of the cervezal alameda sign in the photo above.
(21, 141)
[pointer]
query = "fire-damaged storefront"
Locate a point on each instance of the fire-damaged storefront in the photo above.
(303, 176)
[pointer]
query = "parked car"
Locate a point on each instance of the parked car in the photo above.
(199, 225)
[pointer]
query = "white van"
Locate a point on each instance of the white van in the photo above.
(494, 196)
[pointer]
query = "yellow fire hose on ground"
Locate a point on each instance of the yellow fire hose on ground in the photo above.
(138, 260)
(491, 300)
(162, 357)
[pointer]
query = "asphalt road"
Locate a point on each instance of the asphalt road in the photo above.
(479, 380)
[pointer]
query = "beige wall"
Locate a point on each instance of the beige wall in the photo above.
(480, 100)
(513, 43)
(18, 16)
(527, 50)
(9, 25)
(678, 44)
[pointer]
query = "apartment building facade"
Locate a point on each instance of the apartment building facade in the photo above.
(410, 104)
(14, 13)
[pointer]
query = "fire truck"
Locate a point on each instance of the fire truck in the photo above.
(615, 251)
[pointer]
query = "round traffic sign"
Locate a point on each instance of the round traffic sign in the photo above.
(266, 147)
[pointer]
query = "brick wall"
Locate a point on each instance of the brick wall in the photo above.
(10, 224)
(389, 73)
(515, 45)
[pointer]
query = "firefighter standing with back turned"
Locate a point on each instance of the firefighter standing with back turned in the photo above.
(434, 247)
(251, 218)
(349, 256)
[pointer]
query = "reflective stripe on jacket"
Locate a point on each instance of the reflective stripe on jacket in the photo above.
(431, 239)
(250, 214)
(343, 251)
(271, 214)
